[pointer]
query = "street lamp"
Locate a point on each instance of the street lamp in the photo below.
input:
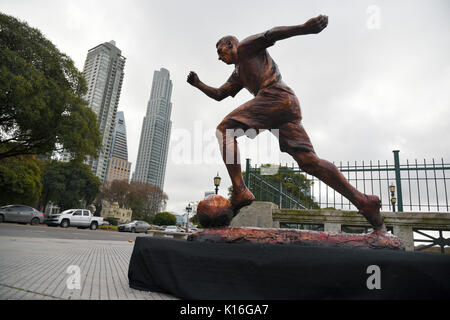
(217, 182)
(188, 210)
(393, 199)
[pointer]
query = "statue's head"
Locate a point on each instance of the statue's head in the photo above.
(227, 49)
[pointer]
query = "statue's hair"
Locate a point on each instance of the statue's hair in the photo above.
(227, 39)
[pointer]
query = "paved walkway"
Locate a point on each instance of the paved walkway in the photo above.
(37, 268)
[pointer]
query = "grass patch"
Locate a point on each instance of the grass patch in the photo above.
(108, 228)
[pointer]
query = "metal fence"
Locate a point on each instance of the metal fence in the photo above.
(419, 185)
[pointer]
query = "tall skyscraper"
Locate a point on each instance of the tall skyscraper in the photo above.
(104, 71)
(155, 134)
(118, 165)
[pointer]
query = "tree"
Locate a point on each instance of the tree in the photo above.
(164, 219)
(117, 191)
(20, 181)
(293, 183)
(194, 221)
(145, 199)
(41, 106)
(142, 198)
(68, 184)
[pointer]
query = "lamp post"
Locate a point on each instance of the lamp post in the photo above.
(188, 210)
(393, 199)
(217, 182)
(286, 180)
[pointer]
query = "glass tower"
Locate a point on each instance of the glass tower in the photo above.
(104, 72)
(155, 134)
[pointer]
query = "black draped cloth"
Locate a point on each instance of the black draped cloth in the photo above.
(242, 271)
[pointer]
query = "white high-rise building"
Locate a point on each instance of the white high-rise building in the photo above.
(155, 134)
(104, 72)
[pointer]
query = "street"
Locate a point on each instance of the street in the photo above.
(44, 231)
(41, 262)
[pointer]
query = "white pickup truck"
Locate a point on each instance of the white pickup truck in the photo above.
(81, 218)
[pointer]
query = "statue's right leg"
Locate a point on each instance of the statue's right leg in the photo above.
(368, 206)
(295, 141)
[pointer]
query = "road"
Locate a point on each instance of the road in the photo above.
(44, 231)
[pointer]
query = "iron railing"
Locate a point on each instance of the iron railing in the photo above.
(432, 240)
(419, 186)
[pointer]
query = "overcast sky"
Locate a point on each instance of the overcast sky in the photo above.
(375, 80)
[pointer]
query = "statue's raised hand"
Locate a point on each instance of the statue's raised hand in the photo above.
(193, 78)
(317, 24)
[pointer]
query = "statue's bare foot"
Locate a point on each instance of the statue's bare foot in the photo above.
(371, 211)
(380, 232)
(241, 198)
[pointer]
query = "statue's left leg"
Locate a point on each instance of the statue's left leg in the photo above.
(241, 195)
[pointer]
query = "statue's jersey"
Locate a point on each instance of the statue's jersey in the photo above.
(255, 69)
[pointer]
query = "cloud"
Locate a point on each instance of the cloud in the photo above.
(75, 17)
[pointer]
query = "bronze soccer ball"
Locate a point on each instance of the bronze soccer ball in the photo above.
(214, 212)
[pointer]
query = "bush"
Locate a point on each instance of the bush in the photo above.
(148, 219)
(112, 221)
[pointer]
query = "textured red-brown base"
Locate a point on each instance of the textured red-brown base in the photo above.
(374, 240)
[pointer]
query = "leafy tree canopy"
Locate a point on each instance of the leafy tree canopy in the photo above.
(41, 104)
(20, 181)
(68, 184)
(164, 219)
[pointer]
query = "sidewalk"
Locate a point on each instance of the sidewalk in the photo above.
(38, 268)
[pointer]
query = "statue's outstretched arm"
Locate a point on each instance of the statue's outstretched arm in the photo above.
(312, 26)
(261, 41)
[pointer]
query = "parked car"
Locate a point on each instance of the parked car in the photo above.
(22, 214)
(134, 226)
(156, 227)
(174, 229)
(81, 218)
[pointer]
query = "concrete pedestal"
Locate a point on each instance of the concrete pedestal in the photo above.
(258, 214)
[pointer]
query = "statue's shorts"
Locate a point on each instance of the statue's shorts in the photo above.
(274, 107)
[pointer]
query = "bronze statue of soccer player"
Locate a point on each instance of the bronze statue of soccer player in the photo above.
(274, 106)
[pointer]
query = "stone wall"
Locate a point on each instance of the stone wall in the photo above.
(402, 223)
(267, 215)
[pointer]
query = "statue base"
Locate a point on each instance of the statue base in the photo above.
(374, 240)
(196, 270)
